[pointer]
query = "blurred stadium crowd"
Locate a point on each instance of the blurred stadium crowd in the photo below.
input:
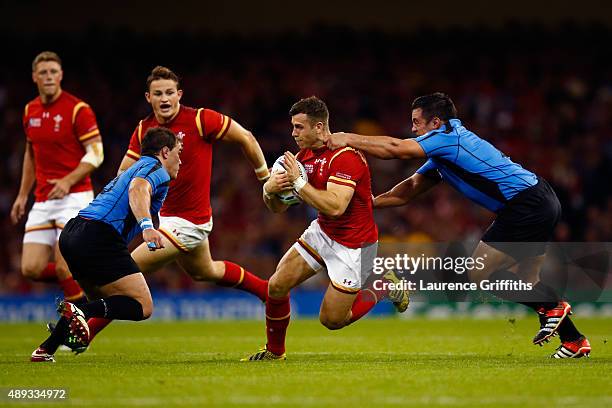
(541, 95)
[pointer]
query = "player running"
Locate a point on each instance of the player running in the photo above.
(526, 206)
(186, 216)
(63, 146)
(342, 240)
(94, 244)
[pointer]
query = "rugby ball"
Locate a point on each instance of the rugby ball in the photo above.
(288, 197)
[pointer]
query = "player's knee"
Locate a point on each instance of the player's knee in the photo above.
(147, 311)
(331, 323)
(147, 307)
(31, 271)
(276, 288)
(62, 271)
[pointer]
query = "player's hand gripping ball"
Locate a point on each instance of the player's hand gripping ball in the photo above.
(288, 197)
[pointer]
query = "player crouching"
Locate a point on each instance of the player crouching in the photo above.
(94, 245)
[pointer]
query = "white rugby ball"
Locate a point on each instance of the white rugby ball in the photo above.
(288, 197)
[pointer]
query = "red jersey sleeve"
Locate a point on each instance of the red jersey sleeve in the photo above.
(84, 122)
(133, 151)
(347, 167)
(212, 125)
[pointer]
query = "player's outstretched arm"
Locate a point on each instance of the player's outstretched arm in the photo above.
(28, 176)
(250, 148)
(383, 147)
(93, 158)
(331, 202)
(140, 201)
(405, 191)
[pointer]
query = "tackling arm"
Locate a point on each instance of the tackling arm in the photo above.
(384, 147)
(250, 148)
(405, 191)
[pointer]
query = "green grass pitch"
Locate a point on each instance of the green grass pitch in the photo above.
(386, 362)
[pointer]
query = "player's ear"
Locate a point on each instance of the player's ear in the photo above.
(148, 97)
(61, 75)
(165, 152)
(436, 122)
(179, 93)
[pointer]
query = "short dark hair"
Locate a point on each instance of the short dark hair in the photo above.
(160, 72)
(45, 56)
(312, 106)
(436, 104)
(155, 139)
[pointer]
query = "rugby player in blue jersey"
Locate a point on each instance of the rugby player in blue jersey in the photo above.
(527, 208)
(94, 244)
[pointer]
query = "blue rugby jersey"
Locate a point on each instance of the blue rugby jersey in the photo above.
(473, 166)
(112, 205)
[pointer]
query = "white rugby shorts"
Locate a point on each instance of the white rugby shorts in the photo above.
(183, 234)
(46, 219)
(347, 268)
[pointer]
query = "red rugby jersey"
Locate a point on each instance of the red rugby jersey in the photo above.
(189, 195)
(56, 132)
(347, 167)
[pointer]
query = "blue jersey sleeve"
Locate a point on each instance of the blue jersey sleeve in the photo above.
(439, 144)
(155, 174)
(429, 169)
(158, 179)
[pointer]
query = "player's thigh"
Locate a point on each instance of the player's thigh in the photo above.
(290, 272)
(34, 258)
(133, 285)
(336, 308)
(492, 259)
(61, 267)
(529, 269)
(199, 264)
(150, 261)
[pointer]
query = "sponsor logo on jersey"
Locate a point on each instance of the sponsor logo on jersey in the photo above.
(344, 176)
(35, 122)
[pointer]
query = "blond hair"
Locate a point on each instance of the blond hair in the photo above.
(46, 56)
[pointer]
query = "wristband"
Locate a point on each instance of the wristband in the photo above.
(260, 169)
(266, 194)
(299, 184)
(145, 223)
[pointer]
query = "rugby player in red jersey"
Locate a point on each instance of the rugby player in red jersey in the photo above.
(63, 145)
(186, 216)
(343, 239)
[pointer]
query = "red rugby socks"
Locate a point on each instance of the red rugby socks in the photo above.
(278, 314)
(239, 278)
